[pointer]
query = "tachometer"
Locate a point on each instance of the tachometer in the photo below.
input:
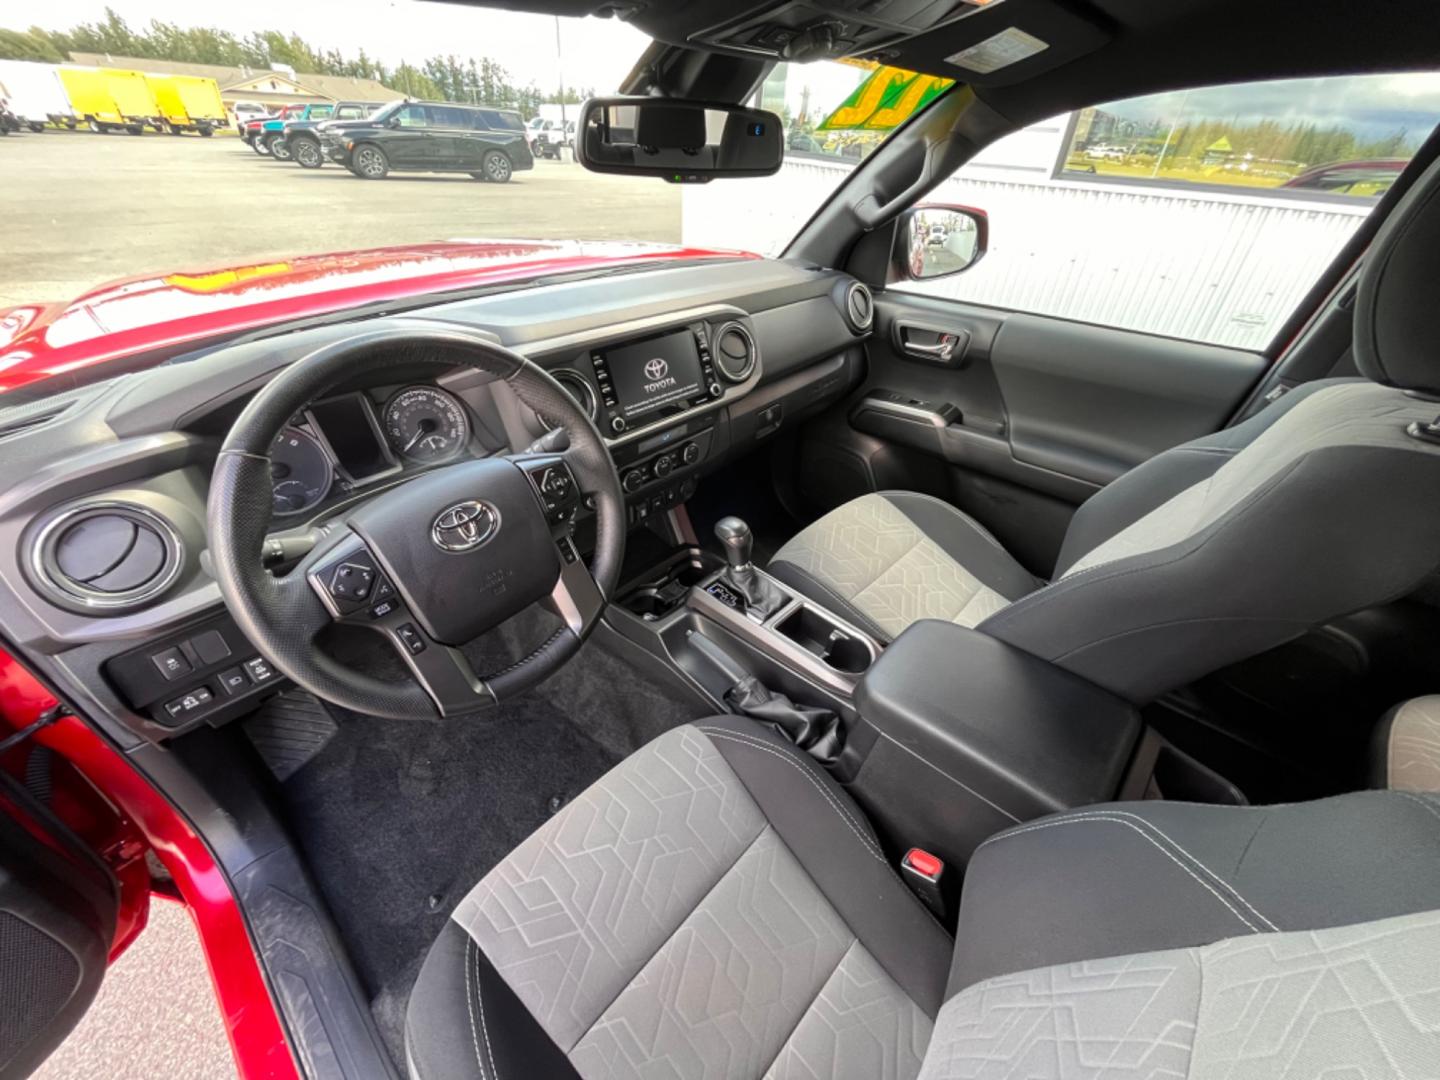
(424, 423)
(300, 473)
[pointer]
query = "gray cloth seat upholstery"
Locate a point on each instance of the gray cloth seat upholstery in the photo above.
(1407, 746)
(1213, 551)
(716, 906)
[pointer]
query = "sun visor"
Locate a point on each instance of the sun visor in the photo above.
(1007, 43)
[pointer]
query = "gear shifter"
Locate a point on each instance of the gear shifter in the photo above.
(762, 597)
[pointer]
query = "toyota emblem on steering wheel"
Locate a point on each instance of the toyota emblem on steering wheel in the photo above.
(464, 526)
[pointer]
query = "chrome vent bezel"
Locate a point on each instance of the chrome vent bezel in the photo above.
(591, 401)
(752, 351)
(69, 593)
(858, 324)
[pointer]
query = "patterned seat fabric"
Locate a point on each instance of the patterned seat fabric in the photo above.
(889, 559)
(1407, 753)
(716, 906)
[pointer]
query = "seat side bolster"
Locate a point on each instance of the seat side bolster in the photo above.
(499, 1037)
(1121, 878)
(832, 841)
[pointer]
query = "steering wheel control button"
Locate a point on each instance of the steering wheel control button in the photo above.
(172, 664)
(233, 680)
(383, 608)
(259, 670)
(410, 638)
(352, 581)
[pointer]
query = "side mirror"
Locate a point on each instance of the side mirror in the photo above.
(684, 142)
(933, 241)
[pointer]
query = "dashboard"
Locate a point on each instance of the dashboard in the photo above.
(104, 576)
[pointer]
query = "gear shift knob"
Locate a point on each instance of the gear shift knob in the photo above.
(738, 540)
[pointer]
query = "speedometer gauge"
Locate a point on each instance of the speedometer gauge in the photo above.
(300, 473)
(424, 423)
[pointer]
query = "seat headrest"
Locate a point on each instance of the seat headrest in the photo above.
(670, 127)
(1397, 327)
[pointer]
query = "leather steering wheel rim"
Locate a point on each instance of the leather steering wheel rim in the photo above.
(282, 615)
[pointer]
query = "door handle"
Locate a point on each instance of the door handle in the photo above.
(941, 350)
(933, 344)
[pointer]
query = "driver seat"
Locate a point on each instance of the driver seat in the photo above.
(716, 906)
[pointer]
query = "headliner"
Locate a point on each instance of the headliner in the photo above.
(1104, 50)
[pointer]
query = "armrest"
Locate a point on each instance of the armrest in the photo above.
(963, 733)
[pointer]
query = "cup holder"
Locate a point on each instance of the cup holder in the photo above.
(665, 592)
(816, 634)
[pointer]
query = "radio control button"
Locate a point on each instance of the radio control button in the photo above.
(715, 390)
(617, 424)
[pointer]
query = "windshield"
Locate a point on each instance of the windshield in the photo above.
(178, 150)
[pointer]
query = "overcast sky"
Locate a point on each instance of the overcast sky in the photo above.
(598, 53)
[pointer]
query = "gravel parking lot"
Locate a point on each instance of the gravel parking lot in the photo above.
(80, 209)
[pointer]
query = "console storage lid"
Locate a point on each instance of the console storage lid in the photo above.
(961, 735)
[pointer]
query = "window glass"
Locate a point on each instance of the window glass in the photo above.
(413, 116)
(320, 112)
(835, 113)
(440, 116)
(1205, 215)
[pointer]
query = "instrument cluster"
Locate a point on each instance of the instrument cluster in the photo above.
(352, 440)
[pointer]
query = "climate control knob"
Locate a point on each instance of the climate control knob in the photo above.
(633, 480)
(664, 465)
(690, 454)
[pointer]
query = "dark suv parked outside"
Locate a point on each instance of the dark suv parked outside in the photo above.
(431, 136)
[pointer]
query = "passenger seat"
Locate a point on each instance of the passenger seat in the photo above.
(1407, 746)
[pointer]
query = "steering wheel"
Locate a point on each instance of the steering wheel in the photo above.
(431, 563)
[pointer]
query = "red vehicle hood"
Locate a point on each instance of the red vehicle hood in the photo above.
(177, 311)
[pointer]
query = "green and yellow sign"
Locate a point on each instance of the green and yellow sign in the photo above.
(885, 100)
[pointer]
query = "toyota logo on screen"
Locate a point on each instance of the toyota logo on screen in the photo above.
(656, 369)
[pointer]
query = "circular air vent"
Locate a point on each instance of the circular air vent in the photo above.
(859, 307)
(579, 388)
(735, 352)
(107, 555)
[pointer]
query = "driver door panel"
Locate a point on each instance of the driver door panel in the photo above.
(58, 910)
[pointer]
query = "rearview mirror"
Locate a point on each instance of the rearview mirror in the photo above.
(936, 241)
(685, 142)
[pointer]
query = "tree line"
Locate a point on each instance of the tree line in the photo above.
(441, 78)
(1299, 143)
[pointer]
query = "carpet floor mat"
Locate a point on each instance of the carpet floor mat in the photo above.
(398, 820)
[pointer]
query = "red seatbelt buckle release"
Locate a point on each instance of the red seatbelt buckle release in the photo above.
(922, 872)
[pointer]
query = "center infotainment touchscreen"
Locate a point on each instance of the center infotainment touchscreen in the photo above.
(651, 375)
